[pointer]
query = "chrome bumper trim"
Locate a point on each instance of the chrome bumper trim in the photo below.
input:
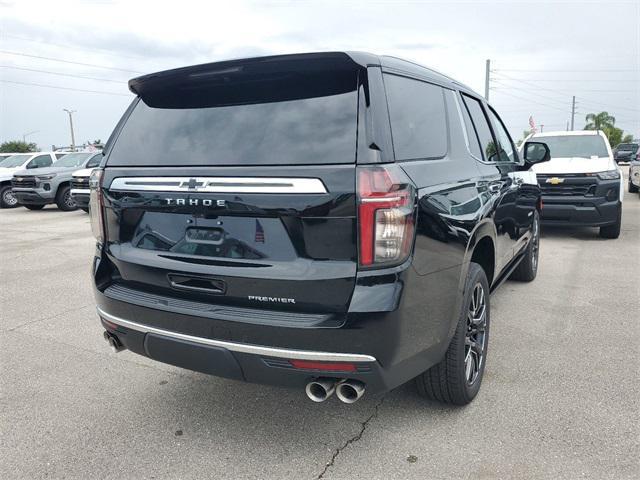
(80, 191)
(241, 347)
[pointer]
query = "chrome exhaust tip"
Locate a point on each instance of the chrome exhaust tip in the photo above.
(350, 391)
(113, 342)
(320, 389)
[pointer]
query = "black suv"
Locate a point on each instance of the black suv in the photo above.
(333, 221)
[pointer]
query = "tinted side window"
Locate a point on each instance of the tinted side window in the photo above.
(40, 161)
(481, 124)
(506, 147)
(474, 143)
(418, 121)
(60, 155)
(94, 161)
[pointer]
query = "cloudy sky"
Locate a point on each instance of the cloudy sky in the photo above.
(541, 53)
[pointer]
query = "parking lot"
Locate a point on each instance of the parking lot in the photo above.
(559, 398)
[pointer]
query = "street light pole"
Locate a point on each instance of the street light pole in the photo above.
(73, 138)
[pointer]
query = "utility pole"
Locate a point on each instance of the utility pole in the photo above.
(573, 110)
(486, 80)
(541, 128)
(73, 138)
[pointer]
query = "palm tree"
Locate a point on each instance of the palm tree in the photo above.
(599, 121)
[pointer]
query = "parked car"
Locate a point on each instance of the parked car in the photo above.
(634, 175)
(18, 162)
(582, 184)
(80, 182)
(50, 185)
(330, 221)
(625, 152)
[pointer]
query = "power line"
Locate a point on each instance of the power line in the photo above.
(564, 71)
(76, 47)
(20, 54)
(121, 82)
(65, 88)
(538, 103)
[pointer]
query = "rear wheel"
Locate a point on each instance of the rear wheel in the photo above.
(34, 207)
(632, 187)
(527, 269)
(457, 378)
(7, 198)
(613, 230)
(64, 200)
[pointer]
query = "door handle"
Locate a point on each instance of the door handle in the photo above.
(196, 284)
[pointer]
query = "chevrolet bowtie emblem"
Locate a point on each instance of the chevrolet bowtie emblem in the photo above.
(192, 184)
(554, 180)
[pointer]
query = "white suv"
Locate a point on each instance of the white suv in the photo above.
(582, 185)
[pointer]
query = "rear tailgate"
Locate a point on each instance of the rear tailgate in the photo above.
(236, 185)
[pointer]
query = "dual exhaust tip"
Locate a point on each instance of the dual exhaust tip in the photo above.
(348, 391)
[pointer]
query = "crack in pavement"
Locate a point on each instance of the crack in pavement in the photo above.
(351, 440)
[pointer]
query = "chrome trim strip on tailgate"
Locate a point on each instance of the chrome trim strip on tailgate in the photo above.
(219, 184)
(241, 347)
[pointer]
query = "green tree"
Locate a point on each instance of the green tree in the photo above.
(18, 146)
(628, 138)
(614, 135)
(599, 121)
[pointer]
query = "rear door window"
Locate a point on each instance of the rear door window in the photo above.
(418, 118)
(481, 124)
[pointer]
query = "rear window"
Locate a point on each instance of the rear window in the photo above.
(318, 129)
(417, 114)
(633, 147)
(566, 146)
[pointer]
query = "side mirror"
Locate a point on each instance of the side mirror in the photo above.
(536, 152)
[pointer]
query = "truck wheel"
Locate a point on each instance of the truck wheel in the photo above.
(457, 378)
(527, 269)
(632, 187)
(613, 230)
(64, 200)
(34, 207)
(7, 198)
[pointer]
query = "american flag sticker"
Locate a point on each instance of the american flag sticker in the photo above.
(259, 238)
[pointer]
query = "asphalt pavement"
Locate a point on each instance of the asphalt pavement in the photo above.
(560, 397)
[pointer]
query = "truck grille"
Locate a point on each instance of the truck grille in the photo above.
(80, 182)
(569, 186)
(23, 182)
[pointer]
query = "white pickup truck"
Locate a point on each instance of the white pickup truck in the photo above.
(582, 185)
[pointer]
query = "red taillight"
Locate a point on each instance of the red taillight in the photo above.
(385, 215)
(96, 204)
(325, 366)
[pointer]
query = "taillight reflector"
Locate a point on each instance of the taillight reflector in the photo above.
(324, 366)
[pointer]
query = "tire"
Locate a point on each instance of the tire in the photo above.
(527, 269)
(7, 198)
(632, 188)
(34, 207)
(456, 379)
(64, 200)
(613, 230)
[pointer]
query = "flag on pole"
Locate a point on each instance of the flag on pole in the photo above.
(532, 124)
(259, 238)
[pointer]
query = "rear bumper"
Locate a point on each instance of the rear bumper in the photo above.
(33, 197)
(240, 361)
(381, 348)
(81, 196)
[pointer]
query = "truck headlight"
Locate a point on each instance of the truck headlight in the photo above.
(46, 177)
(609, 175)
